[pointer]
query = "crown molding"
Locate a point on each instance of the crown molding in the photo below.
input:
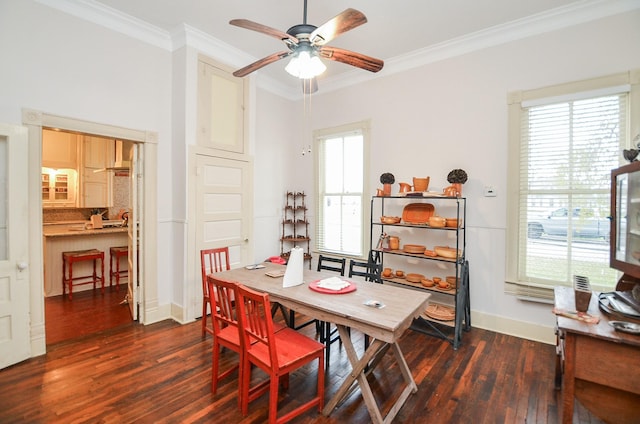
(552, 20)
(562, 17)
(99, 14)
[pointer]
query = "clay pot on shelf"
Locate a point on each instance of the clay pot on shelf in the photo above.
(420, 184)
(394, 242)
(405, 188)
(387, 272)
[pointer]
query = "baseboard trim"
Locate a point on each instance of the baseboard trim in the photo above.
(511, 327)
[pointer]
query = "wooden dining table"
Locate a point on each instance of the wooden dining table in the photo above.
(384, 324)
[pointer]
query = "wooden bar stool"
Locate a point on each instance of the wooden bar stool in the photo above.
(117, 253)
(69, 258)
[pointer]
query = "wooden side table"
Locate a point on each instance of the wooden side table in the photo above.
(601, 365)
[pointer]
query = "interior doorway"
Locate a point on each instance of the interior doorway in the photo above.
(97, 175)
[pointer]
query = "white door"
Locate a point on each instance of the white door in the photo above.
(14, 247)
(135, 187)
(223, 209)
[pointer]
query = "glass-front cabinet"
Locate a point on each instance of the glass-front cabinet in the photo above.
(625, 222)
(58, 188)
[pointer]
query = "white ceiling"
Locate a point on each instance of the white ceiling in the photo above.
(398, 32)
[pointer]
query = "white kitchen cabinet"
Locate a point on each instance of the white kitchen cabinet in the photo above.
(58, 188)
(59, 149)
(95, 179)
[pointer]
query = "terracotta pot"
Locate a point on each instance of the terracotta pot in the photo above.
(394, 242)
(420, 184)
(386, 190)
(404, 187)
(458, 188)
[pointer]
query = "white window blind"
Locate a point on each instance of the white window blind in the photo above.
(340, 191)
(567, 151)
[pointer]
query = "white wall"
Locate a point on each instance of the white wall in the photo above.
(65, 66)
(453, 114)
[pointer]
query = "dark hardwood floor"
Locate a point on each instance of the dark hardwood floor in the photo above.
(89, 312)
(161, 373)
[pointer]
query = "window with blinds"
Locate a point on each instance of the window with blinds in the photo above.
(559, 223)
(340, 180)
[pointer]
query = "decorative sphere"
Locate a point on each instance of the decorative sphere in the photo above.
(630, 154)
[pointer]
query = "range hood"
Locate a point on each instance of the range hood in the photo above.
(121, 150)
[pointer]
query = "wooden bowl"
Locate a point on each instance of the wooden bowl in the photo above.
(437, 221)
(452, 222)
(440, 312)
(452, 280)
(413, 248)
(390, 219)
(414, 278)
(427, 283)
(446, 252)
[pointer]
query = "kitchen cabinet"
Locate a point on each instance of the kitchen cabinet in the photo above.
(58, 188)
(95, 179)
(295, 226)
(59, 149)
(402, 222)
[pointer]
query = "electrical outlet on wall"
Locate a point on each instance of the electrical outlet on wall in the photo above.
(489, 191)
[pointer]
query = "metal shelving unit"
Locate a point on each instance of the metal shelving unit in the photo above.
(456, 298)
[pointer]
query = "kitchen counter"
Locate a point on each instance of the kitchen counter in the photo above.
(69, 236)
(79, 230)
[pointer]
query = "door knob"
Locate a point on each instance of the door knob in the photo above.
(22, 266)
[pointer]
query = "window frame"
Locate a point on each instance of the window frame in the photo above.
(362, 128)
(627, 81)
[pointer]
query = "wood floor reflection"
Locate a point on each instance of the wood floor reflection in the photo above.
(161, 373)
(89, 312)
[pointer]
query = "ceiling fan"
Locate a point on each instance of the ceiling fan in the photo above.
(307, 44)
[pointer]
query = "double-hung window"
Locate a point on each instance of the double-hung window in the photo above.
(563, 143)
(341, 184)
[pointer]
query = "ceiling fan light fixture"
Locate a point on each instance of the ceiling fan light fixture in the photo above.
(305, 65)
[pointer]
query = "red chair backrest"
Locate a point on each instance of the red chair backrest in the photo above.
(223, 304)
(213, 260)
(256, 322)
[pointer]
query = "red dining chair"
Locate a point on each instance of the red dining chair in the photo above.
(226, 331)
(211, 260)
(276, 353)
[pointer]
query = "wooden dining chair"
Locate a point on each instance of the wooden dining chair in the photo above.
(276, 353)
(226, 329)
(211, 260)
(371, 272)
(328, 336)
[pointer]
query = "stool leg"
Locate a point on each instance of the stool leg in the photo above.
(102, 272)
(94, 274)
(64, 268)
(118, 271)
(111, 270)
(70, 280)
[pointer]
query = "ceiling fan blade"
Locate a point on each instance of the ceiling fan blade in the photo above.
(260, 63)
(254, 26)
(339, 24)
(358, 60)
(309, 86)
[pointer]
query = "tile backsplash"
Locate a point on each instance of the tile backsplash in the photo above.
(50, 215)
